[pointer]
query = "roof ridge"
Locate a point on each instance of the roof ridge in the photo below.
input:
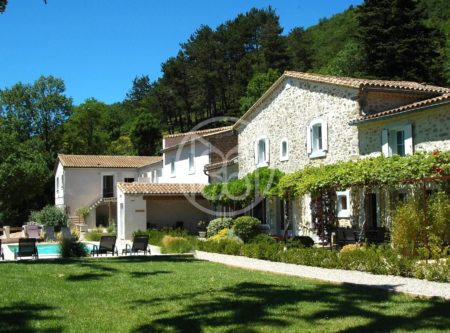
(208, 130)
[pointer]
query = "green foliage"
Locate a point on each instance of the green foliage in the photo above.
(256, 87)
(146, 135)
(50, 216)
(94, 235)
(396, 42)
(218, 224)
(175, 244)
(82, 212)
(383, 260)
(365, 172)
(85, 132)
(408, 227)
(246, 227)
(416, 231)
(71, 248)
(439, 212)
(262, 181)
(299, 241)
(263, 238)
(156, 236)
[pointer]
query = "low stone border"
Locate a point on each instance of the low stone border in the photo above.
(400, 284)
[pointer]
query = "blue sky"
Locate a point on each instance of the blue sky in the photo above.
(99, 46)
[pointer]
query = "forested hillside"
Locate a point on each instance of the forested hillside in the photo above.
(218, 71)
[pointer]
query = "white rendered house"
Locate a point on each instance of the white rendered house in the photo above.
(89, 181)
(175, 200)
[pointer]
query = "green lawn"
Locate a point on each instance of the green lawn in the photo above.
(185, 295)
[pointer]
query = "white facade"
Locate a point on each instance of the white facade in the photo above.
(185, 164)
(131, 214)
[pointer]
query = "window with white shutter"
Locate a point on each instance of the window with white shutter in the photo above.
(262, 152)
(317, 138)
(397, 140)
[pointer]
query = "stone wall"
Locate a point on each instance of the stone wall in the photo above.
(287, 113)
(374, 101)
(431, 130)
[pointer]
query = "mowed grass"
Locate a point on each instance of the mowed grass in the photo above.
(173, 294)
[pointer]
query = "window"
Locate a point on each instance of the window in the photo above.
(262, 152)
(397, 140)
(153, 176)
(57, 184)
(316, 138)
(343, 203)
(172, 167)
(128, 180)
(284, 152)
(62, 182)
(191, 163)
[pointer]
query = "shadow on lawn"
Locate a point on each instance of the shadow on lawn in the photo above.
(322, 307)
(18, 318)
(146, 274)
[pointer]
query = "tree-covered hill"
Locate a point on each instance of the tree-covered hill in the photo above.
(218, 71)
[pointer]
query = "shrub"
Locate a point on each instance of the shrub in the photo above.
(50, 216)
(173, 244)
(263, 238)
(71, 248)
(433, 270)
(266, 251)
(202, 225)
(439, 210)
(351, 247)
(300, 241)
(218, 224)
(82, 212)
(94, 235)
(247, 227)
(407, 222)
(111, 229)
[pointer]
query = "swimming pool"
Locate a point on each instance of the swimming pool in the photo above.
(48, 249)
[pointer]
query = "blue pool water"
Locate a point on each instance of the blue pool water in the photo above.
(47, 248)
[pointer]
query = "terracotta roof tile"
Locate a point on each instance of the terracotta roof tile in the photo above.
(405, 108)
(346, 82)
(360, 83)
(221, 164)
(105, 161)
(163, 188)
(201, 132)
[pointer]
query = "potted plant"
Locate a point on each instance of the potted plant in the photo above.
(201, 225)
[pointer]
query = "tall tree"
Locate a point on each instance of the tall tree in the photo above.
(85, 132)
(396, 42)
(146, 135)
(256, 88)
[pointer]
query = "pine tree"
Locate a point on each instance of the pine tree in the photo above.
(396, 43)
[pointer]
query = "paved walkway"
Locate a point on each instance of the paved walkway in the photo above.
(393, 283)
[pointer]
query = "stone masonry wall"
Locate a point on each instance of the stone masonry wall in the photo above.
(431, 130)
(287, 113)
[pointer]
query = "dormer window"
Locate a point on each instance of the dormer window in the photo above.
(317, 138)
(262, 152)
(284, 152)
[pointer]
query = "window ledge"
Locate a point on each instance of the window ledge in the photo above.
(262, 164)
(192, 172)
(318, 154)
(283, 159)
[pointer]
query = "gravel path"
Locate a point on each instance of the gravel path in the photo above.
(393, 283)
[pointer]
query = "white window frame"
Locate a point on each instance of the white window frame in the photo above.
(264, 163)
(343, 213)
(191, 168)
(284, 157)
(173, 170)
(310, 138)
(102, 174)
(57, 184)
(389, 142)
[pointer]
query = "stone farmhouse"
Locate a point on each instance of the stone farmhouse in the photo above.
(308, 119)
(302, 119)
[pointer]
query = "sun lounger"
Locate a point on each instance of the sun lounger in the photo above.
(32, 231)
(49, 232)
(1, 251)
(27, 248)
(140, 243)
(107, 244)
